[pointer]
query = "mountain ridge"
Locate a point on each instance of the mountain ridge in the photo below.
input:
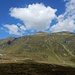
(49, 48)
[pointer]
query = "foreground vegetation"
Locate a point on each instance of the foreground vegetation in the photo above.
(33, 68)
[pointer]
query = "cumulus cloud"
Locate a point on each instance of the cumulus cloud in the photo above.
(66, 25)
(38, 17)
(15, 29)
(35, 16)
(66, 21)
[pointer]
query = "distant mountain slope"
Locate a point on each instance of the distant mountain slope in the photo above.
(7, 40)
(55, 48)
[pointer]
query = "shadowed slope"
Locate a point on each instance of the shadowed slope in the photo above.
(33, 68)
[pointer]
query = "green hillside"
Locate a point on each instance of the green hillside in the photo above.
(55, 48)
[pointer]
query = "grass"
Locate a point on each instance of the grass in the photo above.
(33, 68)
(42, 47)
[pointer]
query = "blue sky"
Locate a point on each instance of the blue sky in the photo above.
(24, 17)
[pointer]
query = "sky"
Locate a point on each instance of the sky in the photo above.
(26, 17)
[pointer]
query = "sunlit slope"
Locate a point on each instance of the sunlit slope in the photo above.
(42, 47)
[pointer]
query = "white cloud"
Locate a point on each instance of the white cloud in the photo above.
(22, 28)
(15, 29)
(35, 17)
(66, 21)
(38, 17)
(66, 25)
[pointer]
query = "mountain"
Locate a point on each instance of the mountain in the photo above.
(55, 48)
(7, 40)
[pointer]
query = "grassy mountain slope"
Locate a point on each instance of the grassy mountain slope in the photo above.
(55, 48)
